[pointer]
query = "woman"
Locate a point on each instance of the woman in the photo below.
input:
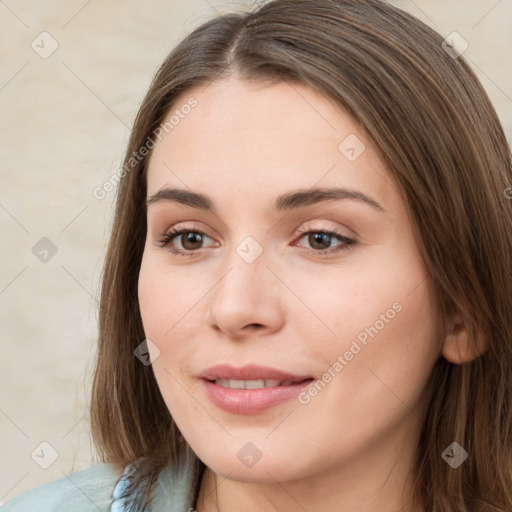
(306, 296)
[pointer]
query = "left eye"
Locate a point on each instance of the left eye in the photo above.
(192, 240)
(321, 241)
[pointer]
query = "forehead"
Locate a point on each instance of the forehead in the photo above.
(242, 137)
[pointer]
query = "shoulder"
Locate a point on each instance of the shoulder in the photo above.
(174, 491)
(87, 490)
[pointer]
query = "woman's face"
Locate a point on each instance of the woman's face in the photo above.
(274, 274)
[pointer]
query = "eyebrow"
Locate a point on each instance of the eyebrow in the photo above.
(289, 201)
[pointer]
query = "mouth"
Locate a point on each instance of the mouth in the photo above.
(252, 374)
(251, 389)
(255, 384)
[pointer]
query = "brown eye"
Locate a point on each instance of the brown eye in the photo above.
(184, 242)
(191, 240)
(321, 241)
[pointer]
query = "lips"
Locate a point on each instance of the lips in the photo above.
(250, 389)
(250, 373)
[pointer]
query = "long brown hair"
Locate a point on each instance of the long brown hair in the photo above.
(439, 135)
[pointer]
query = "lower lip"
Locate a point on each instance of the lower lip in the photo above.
(251, 401)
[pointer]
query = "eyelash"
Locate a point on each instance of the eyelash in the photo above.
(165, 241)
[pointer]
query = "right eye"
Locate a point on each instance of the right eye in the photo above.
(189, 243)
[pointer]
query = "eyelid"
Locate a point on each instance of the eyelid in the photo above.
(176, 231)
(307, 227)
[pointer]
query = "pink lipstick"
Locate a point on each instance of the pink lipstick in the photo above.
(250, 389)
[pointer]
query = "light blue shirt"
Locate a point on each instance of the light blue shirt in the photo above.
(99, 489)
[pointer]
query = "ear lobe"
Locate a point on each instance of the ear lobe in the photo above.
(458, 348)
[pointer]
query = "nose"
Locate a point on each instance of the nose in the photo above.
(247, 300)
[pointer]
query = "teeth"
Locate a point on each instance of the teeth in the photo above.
(250, 384)
(256, 384)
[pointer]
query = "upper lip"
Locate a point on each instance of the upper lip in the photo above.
(249, 372)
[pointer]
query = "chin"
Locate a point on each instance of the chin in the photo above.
(267, 469)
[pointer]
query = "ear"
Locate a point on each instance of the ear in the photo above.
(458, 348)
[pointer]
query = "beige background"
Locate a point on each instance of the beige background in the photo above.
(65, 121)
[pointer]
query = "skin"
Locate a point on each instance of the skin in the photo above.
(352, 446)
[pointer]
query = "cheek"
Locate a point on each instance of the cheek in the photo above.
(166, 299)
(154, 301)
(166, 317)
(379, 318)
(340, 302)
